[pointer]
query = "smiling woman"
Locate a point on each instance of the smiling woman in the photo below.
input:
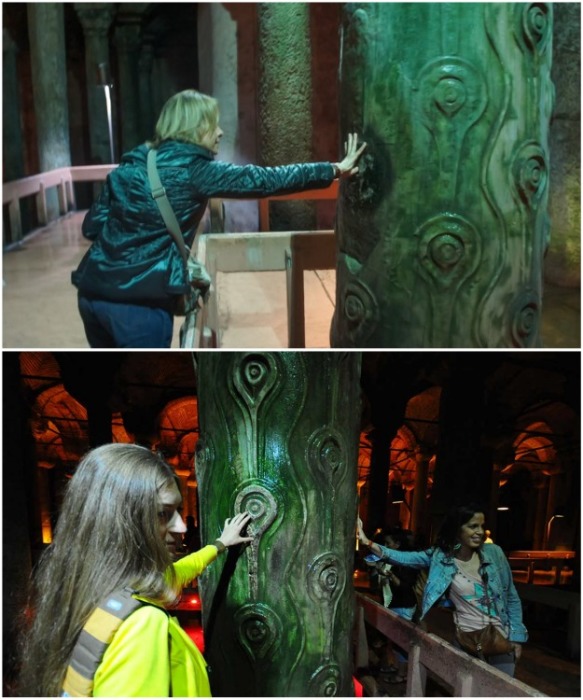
(476, 578)
(115, 539)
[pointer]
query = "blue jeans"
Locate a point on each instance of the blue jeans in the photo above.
(503, 662)
(109, 324)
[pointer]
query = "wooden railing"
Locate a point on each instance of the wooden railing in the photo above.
(38, 185)
(294, 252)
(459, 674)
(542, 567)
(289, 251)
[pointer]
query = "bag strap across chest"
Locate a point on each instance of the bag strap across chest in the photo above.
(161, 198)
(94, 639)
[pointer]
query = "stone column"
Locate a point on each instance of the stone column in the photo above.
(127, 41)
(463, 468)
(419, 520)
(279, 439)
(46, 30)
(285, 100)
(442, 236)
(18, 515)
(563, 262)
(11, 131)
(96, 19)
(219, 77)
(147, 116)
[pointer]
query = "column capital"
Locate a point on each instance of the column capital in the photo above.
(128, 36)
(95, 17)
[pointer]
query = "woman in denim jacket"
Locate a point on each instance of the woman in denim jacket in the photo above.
(475, 576)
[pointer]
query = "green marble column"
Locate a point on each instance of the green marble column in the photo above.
(279, 439)
(442, 237)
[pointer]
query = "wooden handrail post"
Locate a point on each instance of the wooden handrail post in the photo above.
(41, 204)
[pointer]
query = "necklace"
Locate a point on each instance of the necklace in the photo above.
(471, 566)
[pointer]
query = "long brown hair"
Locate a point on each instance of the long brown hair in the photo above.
(107, 538)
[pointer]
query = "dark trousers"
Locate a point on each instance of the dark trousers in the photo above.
(109, 324)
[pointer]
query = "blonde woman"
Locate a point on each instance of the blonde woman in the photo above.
(130, 278)
(116, 531)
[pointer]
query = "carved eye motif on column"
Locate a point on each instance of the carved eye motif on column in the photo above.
(327, 451)
(449, 248)
(254, 377)
(261, 504)
(451, 85)
(203, 454)
(536, 22)
(325, 681)
(529, 168)
(360, 310)
(525, 313)
(326, 578)
(259, 630)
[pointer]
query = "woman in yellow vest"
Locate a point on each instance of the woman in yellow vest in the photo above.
(116, 532)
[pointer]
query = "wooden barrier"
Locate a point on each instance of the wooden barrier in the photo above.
(292, 251)
(459, 673)
(542, 567)
(38, 185)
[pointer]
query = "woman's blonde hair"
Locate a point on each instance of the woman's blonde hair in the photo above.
(107, 537)
(186, 116)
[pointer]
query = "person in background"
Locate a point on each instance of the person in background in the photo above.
(116, 531)
(132, 275)
(476, 577)
(403, 602)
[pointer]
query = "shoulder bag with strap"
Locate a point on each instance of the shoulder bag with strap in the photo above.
(199, 279)
(488, 641)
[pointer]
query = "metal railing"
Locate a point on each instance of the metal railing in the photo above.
(428, 654)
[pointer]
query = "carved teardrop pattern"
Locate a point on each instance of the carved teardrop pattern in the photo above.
(203, 456)
(325, 681)
(530, 172)
(536, 25)
(257, 500)
(525, 319)
(326, 578)
(360, 310)
(260, 503)
(327, 453)
(254, 377)
(453, 97)
(449, 249)
(258, 629)
(452, 86)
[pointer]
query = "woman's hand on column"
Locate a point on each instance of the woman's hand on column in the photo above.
(231, 533)
(360, 532)
(348, 165)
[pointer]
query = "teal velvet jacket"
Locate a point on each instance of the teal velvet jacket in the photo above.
(442, 569)
(133, 258)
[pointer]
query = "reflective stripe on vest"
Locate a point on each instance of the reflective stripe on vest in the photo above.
(94, 639)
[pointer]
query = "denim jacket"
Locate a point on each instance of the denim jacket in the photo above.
(442, 570)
